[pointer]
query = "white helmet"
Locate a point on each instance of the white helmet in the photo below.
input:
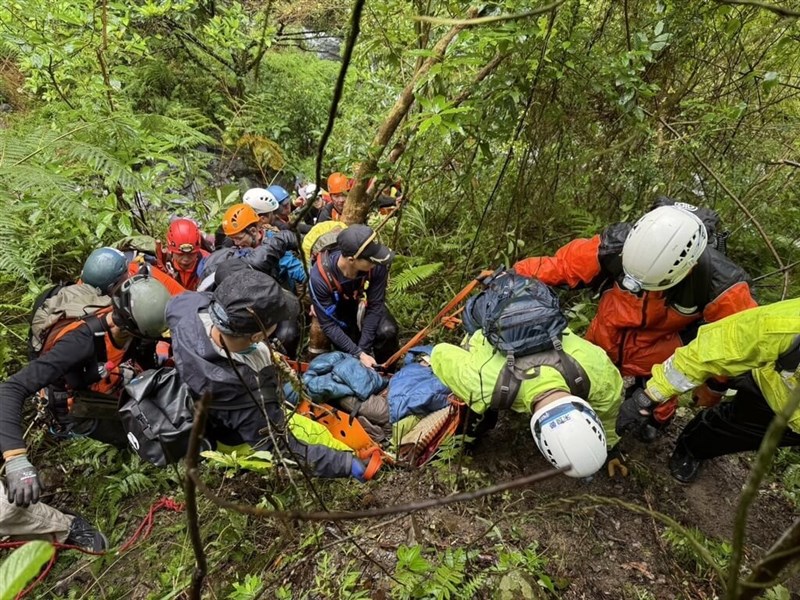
(662, 248)
(260, 200)
(568, 433)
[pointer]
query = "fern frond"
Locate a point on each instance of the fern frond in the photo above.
(413, 276)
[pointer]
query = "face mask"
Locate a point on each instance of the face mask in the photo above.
(249, 350)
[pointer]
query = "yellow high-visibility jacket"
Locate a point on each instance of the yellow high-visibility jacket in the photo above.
(747, 341)
(471, 375)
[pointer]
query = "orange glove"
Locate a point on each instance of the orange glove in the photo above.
(663, 413)
(706, 396)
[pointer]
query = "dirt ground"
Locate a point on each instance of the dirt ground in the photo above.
(590, 550)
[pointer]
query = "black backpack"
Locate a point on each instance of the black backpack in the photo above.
(157, 412)
(521, 318)
(717, 238)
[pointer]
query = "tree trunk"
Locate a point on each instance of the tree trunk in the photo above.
(358, 202)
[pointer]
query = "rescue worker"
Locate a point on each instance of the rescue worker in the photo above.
(218, 348)
(759, 350)
(184, 253)
(284, 206)
(90, 357)
(304, 195)
(28, 519)
(348, 293)
(264, 204)
(339, 185)
(568, 429)
(658, 281)
(268, 251)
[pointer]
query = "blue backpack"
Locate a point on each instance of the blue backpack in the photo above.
(521, 318)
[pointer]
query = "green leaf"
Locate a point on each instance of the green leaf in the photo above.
(22, 565)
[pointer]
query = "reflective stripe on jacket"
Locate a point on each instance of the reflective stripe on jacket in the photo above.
(748, 341)
(471, 375)
(640, 330)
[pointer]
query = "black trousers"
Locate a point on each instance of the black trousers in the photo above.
(735, 426)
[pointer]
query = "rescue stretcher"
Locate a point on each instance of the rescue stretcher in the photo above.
(418, 446)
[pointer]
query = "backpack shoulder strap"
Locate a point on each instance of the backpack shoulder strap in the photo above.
(323, 264)
(96, 325)
(528, 367)
(508, 383)
(574, 374)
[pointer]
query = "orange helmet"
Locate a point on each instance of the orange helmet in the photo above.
(339, 183)
(238, 218)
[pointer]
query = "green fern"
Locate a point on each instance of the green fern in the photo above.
(413, 276)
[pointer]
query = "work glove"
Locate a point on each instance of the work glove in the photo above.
(660, 417)
(615, 463)
(635, 412)
(709, 394)
(357, 470)
(22, 482)
(641, 414)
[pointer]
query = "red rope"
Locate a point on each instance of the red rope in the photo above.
(147, 523)
(144, 530)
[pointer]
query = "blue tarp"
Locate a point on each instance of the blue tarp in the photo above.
(414, 389)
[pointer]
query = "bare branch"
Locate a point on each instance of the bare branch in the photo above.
(783, 552)
(778, 10)
(492, 19)
(736, 200)
(761, 465)
(371, 514)
(192, 453)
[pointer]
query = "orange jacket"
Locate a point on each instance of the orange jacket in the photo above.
(173, 287)
(641, 330)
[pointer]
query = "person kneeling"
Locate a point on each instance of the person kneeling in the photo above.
(218, 347)
(348, 292)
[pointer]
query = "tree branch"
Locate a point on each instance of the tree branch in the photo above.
(333, 516)
(357, 207)
(192, 453)
(761, 465)
(494, 19)
(785, 550)
(778, 10)
(736, 199)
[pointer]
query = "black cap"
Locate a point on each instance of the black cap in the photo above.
(249, 290)
(358, 241)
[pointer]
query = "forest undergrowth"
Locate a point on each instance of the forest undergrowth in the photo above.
(512, 134)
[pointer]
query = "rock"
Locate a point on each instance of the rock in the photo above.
(6, 108)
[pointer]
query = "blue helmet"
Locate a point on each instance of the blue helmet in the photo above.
(281, 195)
(104, 268)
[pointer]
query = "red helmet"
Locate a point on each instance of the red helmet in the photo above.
(183, 237)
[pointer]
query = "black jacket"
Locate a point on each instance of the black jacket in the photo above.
(237, 410)
(70, 364)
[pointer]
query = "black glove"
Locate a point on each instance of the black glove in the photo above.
(22, 481)
(635, 412)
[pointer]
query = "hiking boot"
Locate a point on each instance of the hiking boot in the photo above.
(84, 535)
(683, 466)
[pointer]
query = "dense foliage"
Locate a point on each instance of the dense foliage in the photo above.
(531, 131)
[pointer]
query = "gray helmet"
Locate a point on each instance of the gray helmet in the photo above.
(140, 305)
(104, 268)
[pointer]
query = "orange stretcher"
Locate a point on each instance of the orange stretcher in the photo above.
(349, 431)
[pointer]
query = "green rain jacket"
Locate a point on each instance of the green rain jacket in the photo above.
(748, 341)
(471, 374)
